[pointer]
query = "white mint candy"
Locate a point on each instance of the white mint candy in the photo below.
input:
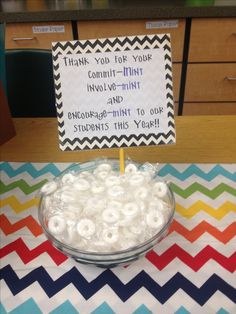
(68, 178)
(156, 204)
(112, 180)
(131, 168)
(110, 215)
(141, 193)
(114, 205)
(97, 187)
(68, 197)
(101, 175)
(110, 236)
(86, 227)
(56, 225)
(115, 191)
(154, 219)
(130, 209)
(49, 187)
(81, 185)
(136, 179)
(160, 189)
(104, 167)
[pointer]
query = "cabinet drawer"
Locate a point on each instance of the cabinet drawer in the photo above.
(104, 29)
(228, 108)
(213, 39)
(211, 82)
(36, 35)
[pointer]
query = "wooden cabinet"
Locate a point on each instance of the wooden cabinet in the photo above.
(213, 40)
(211, 70)
(101, 29)
(38, 35)
(211, 82)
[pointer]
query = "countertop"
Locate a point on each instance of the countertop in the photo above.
(199, 139)
(48, 10)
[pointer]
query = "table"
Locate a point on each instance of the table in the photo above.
(192, 270)
(199, 139)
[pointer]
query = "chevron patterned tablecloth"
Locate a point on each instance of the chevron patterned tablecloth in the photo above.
(192, 270)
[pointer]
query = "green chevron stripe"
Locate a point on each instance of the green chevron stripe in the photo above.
(21, 184)
(197, 187)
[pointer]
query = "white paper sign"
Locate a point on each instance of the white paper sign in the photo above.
(120, 97)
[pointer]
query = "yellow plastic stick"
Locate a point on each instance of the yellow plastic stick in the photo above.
(122, 160)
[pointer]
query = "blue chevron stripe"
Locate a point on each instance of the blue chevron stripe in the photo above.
(165, 170)
(103, 308)
(222, 311)
(182, 310)
(65, 308)
(29, 168)
(142, 309)
(123, 291)
(28, 307)
(193, 169)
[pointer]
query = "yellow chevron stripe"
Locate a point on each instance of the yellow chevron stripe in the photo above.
(189, 212)
(217, 213)
(18, 207)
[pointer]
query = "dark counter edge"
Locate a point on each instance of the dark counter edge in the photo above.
(119, 14)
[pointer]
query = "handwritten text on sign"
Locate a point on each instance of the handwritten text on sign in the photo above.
(113, 92)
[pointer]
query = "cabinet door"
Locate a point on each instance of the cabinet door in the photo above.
(213, 40)
(211, 82)
(37, 35)
(104, 29)
(210, 108)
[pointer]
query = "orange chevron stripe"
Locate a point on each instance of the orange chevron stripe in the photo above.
(29, 222)
(192, 235)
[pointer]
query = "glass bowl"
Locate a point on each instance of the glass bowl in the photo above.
(123, 253)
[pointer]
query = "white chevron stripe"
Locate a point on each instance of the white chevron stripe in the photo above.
(197, 196)
(209, 184)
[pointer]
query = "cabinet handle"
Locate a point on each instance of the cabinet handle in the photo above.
(23, 38)
(230, 78)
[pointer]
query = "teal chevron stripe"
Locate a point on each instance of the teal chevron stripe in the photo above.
(28, 307)
(182, 310)
(142, 309)
(165, 170)
(222, 311)
(195, 170)
(22, 185)
(29, 168)
(65, 308)
(103, 308)
(197, 187)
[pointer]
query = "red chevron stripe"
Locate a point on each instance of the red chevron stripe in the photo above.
(196, 262)
(27, 255)
(29, 222)
(192, 235)
(160, 261)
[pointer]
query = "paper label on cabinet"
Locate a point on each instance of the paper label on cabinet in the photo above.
(48, 29)
(162, 24)
(114, 92)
